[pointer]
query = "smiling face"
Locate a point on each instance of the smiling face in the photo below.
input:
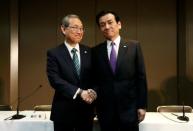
(74, 32)
(109, 26)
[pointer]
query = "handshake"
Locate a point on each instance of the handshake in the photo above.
(88, 95)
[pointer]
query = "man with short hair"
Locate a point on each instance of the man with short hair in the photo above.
(68, 70)
(119, 77)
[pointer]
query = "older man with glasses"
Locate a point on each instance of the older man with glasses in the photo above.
(68, 70)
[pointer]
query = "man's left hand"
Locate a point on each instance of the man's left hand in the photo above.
(141, 114)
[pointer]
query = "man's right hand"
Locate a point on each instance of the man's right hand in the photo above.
(88, 95)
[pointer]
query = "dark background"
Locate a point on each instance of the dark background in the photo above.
(164, 28)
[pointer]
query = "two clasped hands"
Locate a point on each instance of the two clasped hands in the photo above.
(88, 95)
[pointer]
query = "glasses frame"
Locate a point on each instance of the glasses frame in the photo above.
(76, 29)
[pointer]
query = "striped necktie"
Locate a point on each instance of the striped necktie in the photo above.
(76, 60)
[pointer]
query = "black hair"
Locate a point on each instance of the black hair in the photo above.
(103, 13)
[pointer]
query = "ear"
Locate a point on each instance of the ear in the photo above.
(62, 28)
(119, 24)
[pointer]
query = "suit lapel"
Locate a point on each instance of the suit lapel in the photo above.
(123, 47)
(68, 60)
(104, 54)
(83, 58)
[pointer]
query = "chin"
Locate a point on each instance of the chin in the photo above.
(78, 41)
(109, 37)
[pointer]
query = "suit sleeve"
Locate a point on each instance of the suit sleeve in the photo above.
(141, 80)
(57, 82)
(94, 71)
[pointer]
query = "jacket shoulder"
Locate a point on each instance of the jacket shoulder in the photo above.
(99, 46)
(84, 46)
(55, 49)
(135, 42)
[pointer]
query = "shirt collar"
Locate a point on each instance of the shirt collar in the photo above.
(116, 41)
(69, 47)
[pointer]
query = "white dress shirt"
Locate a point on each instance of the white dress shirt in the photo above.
(69, 47)
(116, 46)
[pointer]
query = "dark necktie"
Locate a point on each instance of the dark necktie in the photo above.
(76, 60)
(113, 58)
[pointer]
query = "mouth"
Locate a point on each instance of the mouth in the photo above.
(78, 36)
(107, 32)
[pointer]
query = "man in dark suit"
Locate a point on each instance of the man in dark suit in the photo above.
(68, 70)
(120, 78)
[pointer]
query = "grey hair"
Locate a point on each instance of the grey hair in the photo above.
(65, 20)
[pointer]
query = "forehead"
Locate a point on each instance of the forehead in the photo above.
(107, 17)
(75, 21)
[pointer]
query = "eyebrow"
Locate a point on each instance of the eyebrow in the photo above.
(76, 25)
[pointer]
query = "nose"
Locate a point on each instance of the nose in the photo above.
(106, 26)
(80, 30)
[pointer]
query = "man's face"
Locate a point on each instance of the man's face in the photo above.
(74, 32)
(109, 27)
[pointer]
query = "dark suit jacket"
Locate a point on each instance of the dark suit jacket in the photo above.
(64, 79)
(125, 91)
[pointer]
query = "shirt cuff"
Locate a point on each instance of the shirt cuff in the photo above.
(77, 92)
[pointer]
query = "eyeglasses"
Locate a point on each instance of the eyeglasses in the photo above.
(75, 28)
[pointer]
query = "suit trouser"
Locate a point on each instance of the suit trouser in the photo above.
(120, 127)
(60, 126)
(115, 124)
